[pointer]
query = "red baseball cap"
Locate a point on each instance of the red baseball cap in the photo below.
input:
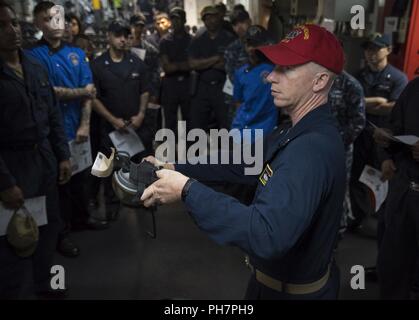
(307, 43)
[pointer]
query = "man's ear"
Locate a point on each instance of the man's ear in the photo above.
(321, 82)
(389, 50)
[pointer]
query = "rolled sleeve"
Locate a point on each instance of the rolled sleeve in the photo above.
(398, 87)
(86, 76)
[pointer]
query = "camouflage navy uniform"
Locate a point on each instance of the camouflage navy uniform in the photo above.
(235, 57)
(347, 100)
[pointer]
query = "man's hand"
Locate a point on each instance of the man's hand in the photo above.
(383, 109)
(12, 198)
(137, 120)
(415, 151)
(158, 163)
(381, 137)
(220, 64)
(65, 172)
(374, 105)
(380, 100)
(119, 124)
(388, 168)
(82, 134)
(90, 91)
(375, 101)
(167, 189)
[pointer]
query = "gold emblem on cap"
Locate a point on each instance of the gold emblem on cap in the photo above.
(306, 33)
(296, 32)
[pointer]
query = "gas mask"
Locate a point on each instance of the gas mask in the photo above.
(57, 17)
(130, 177)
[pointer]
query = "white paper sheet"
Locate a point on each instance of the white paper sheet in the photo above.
(228, 87)
(36, 206)
(81, 156)
(409, 140)
(128, 142)
(140, 53)
(372, 179)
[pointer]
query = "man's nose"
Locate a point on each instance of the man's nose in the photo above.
(12, 29)
(269, 77)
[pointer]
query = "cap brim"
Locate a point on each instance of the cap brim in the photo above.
(208, 14)
(281, 55)
(257, 43)
(120, 32)
(375, 43)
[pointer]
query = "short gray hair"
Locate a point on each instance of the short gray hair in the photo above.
(316, 68)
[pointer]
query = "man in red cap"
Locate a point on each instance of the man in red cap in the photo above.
(290, 229)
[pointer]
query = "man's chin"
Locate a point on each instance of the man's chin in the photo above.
(280, 103)
(56, 37)
(212, 29)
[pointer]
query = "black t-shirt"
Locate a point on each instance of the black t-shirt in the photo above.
(175, 47)
(119, 68)
(120, 85)
(203, 47)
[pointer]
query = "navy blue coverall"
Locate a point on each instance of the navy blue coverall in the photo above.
(32, 140)
(290, 230)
